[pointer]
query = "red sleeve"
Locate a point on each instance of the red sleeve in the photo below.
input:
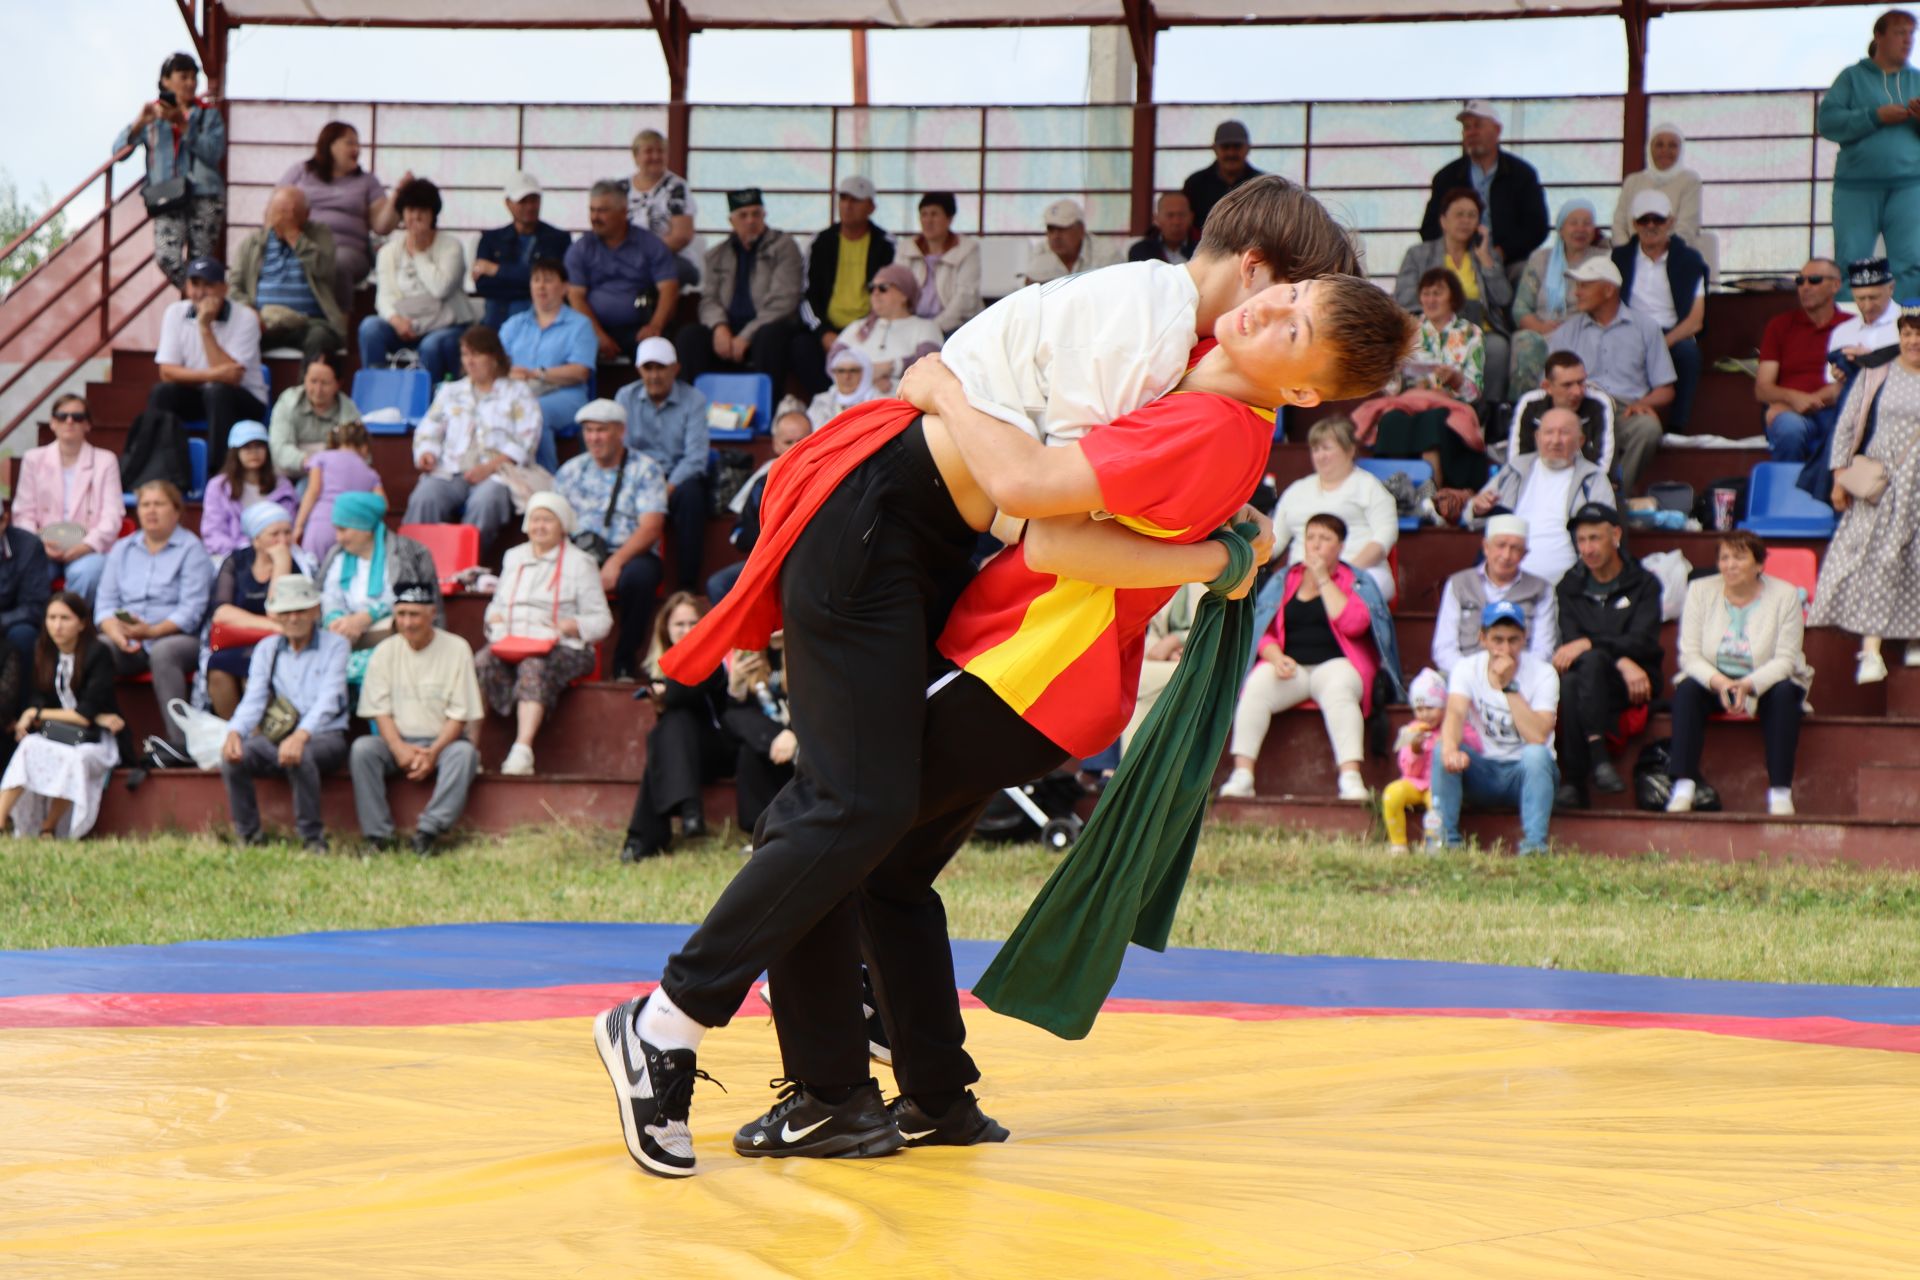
(1773, 339)
(1182, 464)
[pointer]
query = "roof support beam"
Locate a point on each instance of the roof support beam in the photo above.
(193, 31)
(1633, 126)
(1143, 31)
(675, 29)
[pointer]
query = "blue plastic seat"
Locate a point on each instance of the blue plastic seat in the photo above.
(1417, 471)
(755, 389)
(1778, 508)
(408, 390)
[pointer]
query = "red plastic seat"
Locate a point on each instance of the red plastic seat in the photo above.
(1797, 565)
(455, 548)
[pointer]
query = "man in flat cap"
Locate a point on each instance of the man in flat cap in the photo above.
(1513, 205)
(1204, 187)
(750, 306)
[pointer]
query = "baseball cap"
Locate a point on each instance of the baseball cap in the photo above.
(520, 186)
(1598, 267)
(1507, 524)
(244, 433)
(601, 410)
(655, 350)
(1503, 611)
(856, 186)
(1064, 213)
(1594, 513)
(1651, 201)
(208, 269)
(1228, 132)
(1482, 108)
(292, 592)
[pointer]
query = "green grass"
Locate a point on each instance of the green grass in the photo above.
(1255, 890)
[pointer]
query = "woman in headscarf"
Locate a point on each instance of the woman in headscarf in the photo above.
(1664, 174)
(852, 374)
(1543, 299)
(240, 600)
(892, 336)
(356, 582)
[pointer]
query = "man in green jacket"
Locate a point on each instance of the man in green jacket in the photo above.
(284, 270)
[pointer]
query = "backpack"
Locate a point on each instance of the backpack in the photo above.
(156, 449)
(730, 469)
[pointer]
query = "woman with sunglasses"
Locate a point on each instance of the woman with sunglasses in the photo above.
(69, 494)
(892, 336)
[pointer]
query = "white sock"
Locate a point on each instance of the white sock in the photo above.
(1683, 789)
(665, 1026)
(1779, 793)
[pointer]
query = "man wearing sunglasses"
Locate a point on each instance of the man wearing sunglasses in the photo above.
(1792, 381)
(1665, 280)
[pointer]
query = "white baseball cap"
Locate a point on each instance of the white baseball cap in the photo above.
(1651, 201)
(1598, 267)
(520, 186)
(856, 186)
(656, 350)
(601, 410)
(1482, 108)
(1065, 213)
(1500, 525)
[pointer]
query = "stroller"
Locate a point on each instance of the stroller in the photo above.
(1048, 806)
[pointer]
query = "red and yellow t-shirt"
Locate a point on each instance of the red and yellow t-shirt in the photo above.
(1066, 654)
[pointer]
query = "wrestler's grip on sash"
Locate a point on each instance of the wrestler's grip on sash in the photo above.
(1253, 525)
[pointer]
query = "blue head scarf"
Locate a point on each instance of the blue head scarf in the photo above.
(262, 516)
(366, 512)
(1553, 289)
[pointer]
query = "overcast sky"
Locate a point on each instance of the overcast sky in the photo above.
(95, 60)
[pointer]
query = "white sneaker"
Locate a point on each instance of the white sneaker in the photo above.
(1681, 800)
(1352, 785)
(1872, 668)
(1912, 656)
(1780, 802)
(519, 762)
(1238, 786)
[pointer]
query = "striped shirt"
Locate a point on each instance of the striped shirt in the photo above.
(283, 281)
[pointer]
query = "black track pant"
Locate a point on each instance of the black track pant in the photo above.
(1778, 713)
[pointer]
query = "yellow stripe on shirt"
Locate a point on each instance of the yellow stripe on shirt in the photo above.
(1059, 626)
(1147, 527)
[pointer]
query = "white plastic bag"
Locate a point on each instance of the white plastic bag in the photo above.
(1673, 569)
(206, 733)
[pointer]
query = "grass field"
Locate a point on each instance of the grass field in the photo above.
(1254, 890)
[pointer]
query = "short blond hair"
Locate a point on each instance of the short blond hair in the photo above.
(1338, 428)
(647, 135)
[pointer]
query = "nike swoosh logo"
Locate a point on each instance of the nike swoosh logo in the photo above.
(636, 1070)
(915, 1137)
(790, 1134)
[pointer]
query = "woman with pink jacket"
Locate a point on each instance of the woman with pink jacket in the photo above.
(1320, 647)
(69, 482)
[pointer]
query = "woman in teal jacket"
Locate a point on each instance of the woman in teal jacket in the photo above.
(1873, 112)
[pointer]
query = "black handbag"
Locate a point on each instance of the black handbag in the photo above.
(68, 735)
(592, 544)
(171, 196)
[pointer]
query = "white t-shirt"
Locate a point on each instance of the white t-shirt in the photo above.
(1543, 505)
(1360, 500)
(1060, 358)
(238, 336)
(1855, 332)
(1653, 292)
(1487, 708)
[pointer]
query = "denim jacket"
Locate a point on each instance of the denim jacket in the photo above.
(201, 148)
(1267, 604)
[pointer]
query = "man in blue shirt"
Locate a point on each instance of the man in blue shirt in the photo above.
(1625, 353)
(307, 667)
(550, 347)
(667, 421)
(620, 497)
(615, 269)
(503, 260)
(153, 597)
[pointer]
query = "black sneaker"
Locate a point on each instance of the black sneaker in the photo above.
(1569, 797)
(1607, 778)
(315, 844)
(800, 1124)
(422, 844)
(879, 1048)
(637, 850)
(963, 1125)
(654, 1088)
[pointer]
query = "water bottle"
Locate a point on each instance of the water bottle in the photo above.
(1430, 827)
(767, 704)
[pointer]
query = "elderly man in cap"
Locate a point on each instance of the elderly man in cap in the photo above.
(1609, 655)
(843, 260)
(1513, 206)
(1794, 381)
(1665, 279)
(1204, 187)
(622, 278)
(292, 723)
(1512, 699)
(1624, 353)
(620, 499)
(209, 358)
(1070, 250)
(422, 693)
(667, 421)
(285, 271)
(503, 261)
(750, 308)
(791, 425)
(1498, 576)
(1544, 488)
(551, 348)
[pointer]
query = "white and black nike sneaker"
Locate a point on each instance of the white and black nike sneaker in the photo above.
(654, 1088)
(802, 1124)
(879, 1048)
(962, 1125)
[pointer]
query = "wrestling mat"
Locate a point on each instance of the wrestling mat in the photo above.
(427, 1102)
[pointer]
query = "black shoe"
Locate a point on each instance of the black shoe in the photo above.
(963, 1125)
(655, 1089)
(638, 850)
(422, 844)
(1607, 778)
(1569, 796)
(253, 841)
(383, 844)
(693, 822)
(800, 1124)
(315, 844)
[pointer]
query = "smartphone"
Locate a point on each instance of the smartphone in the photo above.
(125, 616)
(168, 99)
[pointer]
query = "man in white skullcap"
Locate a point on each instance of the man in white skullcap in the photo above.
(1498, 576)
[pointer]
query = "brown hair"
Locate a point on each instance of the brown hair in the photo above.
(661, 642)
(482, 340)
(1338, 428)
(1291, 231)
(349, 435)
(233, 470)
(71, 398)
(1457, 297)
(1367, 333)
(1745, 540)
(1330, 522)
(1885, 20)
(1455, 195)
(1909, 319)
(1562, 360)
(46, 654)
(320, 163)
(167, 487)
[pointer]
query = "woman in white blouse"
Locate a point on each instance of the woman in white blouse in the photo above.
(473, 446)
(1339, 487)
(1664, 173)
(546, 615)
(944, 263)
(892, 336)
(422, 301)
